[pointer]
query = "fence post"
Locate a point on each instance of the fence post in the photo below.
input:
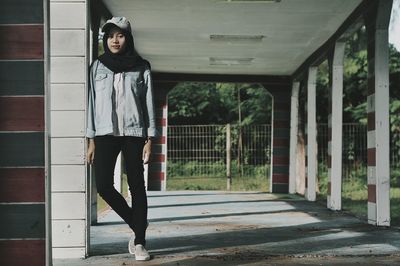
(228, 157)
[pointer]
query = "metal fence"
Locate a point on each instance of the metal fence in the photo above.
(354, 158)
(200, 151)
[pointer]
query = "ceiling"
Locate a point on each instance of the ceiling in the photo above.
(228, 36)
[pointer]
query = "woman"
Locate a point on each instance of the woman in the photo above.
(121, 118)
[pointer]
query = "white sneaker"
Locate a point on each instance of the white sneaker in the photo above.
(141, 253)
(131, 245)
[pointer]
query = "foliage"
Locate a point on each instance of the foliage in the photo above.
(355, 80)
(217, 103)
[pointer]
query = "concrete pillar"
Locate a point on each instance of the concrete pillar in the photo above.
(294, 113)
(68, 85)
(377, 22)
(157, 169)
(335, 127)
(311, 132)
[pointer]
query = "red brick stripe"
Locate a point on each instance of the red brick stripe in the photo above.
(281, 142)
(281, 124)
(158, 158)
(161, 122)
(22, 185)
(22, 252)
(21, 113)
(156, 176)
(21, 42)
(280, 178)
(160, 140)
(371, 156)
(372, 193)
(329, 188)
(371, 121)
(281, 160)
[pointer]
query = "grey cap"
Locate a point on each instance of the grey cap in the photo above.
(120, 22)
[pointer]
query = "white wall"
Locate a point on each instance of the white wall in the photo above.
(68, 79)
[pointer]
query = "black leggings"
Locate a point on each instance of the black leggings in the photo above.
(107, 149)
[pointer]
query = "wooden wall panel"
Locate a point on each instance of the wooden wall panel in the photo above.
(69, 233)
(22, 220)
(68, 123)
(67, 43)
(22, 185)
(21, 42)
(68, 97)
(68, 205)
(22, 252)
(21, 78)
(21, 149)
(22, 139)
(21, 11)
(76, 18)
(68, 70)
(67, 178)
(21, 113)
(67, 150)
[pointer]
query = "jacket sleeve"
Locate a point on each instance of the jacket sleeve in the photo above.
(149, 102)
(90, 113)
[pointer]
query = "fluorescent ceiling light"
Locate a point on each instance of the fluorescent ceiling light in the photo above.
(237, 38)
(230, 61)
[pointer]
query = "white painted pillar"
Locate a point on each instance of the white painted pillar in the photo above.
(68, 85)
(311, 134)
(378, 118)
(294, 117)
(336, 122)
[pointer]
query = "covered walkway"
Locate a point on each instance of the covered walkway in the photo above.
(242, 228)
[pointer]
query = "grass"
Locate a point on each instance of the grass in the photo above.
(355, 194)
(218, 183)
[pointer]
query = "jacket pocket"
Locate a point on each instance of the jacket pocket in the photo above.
(100, 80)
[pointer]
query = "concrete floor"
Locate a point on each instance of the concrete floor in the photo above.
(242, 228)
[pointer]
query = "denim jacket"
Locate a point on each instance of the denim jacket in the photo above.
(139, 117)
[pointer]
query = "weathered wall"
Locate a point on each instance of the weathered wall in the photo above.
(22, 133)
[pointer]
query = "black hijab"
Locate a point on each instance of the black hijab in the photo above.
(125, 61)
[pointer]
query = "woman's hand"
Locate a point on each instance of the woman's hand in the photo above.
(90, 152)
(147, 152)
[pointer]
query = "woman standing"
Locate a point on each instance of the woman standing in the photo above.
(120, 117)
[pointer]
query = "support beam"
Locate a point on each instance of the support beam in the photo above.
(311, 135)
(335, 124)
(294, 113)
(377, 22)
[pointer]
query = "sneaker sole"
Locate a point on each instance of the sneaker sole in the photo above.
(142, 258)
(130, 250)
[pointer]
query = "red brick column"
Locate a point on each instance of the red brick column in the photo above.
(158, 167)
(280, 137)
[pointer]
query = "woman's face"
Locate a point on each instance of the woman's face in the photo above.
(116, 41)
